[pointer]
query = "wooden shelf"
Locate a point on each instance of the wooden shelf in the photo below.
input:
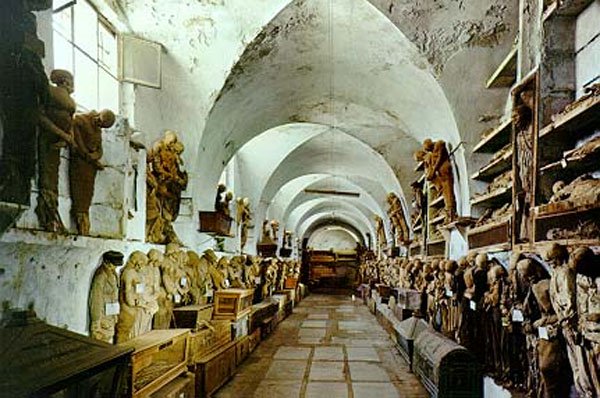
(506, 73)
(571, 8)
(495, 168)
(568, 242)
(418, 227)
(492, 199)
(437, 220)
(499, 247)
(420, 166)
(492, 235)
(574, 124)
(496, 139)
(421, 179)
(554, 210)
(572, 167)
(437, 201)
(436, 242)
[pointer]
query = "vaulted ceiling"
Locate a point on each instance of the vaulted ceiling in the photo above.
(323, 94)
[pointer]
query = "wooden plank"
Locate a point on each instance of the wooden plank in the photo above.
(493, 199)
(495, 140)
(572, 125)
(494, 168)
(506, 73)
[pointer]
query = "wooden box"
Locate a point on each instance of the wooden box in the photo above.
(260, 312)
(384, 292)
(39, 360)
(207, 340)
(445, 368)
(266, 249)
(182, 387)
(239, 327)
(409, 299)
(290, 294)
(233, 303)
(242, 350)
(159, 356)
(215, 222)
(280, 299)
(192, 316)
(285, 252)
(254, 339)
(290, 283)
(267, 327)
(490, 234)
(215, 369)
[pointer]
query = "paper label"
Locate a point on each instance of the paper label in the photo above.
(517, 316)
(112, 309)
(209, 293)
(183, 281)
(227, 284)
(543, 333)
(140, 288)
(177, 298)
(449, 293)
(257, 280)
(472, 305)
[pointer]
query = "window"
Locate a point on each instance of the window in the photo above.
(87, 46)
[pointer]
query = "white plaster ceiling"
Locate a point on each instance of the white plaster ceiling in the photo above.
(334, 218)
(333, 237)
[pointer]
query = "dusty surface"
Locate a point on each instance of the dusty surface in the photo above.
(330, 347)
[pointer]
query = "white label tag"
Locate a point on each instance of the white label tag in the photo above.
(112, 309)
(209, 293)
(183, 281)
(257, 280)
(449, 293)
(517, 316)
(543, 333)
(227, 284)
(177, 298)
(472, 305)
(139, 288)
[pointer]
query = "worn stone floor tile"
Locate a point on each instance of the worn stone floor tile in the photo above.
(353, 325)
(327, 371)
(278, 389)
(326, 390)
(362, 354)
(286, 370)
(310, 340)
(292, 353)
(379, 390)
(314, 324)
(366, 371)
(311, 332)
(328, 354)
(317, 316)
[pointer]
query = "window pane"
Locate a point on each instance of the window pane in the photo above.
(107, 49)
(63, 53)
(86, 28)
(86, 81)
(61, 22)
(109, 92)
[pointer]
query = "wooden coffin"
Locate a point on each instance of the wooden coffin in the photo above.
(267, 327)
(254, 340)
(409, 299)
(39, 360)
(192, 316)
(239, 327)
(182, 387)
(215, 222)
(406, 332)
(290, 293)
(384, 292)
(232, 304)
(207, 340)
(242, 349)
(490, 234)
(215, 369)
(267, 249)
(290, 283)
(445, 368)
(159, 356)
(260, 312)
(285, 252)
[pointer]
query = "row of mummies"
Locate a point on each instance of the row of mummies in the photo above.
(152, 284)
(527, 326)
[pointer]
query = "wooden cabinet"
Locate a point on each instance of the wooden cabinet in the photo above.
(159, 356)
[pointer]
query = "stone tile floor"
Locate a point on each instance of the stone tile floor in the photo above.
(329, 347)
